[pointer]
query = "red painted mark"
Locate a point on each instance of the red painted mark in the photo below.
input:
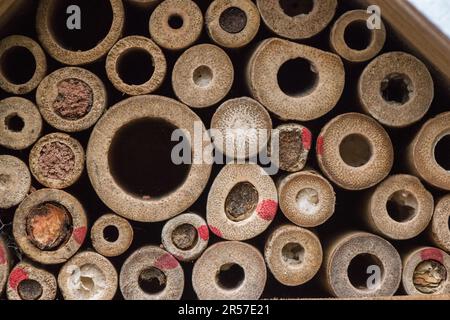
(178, 257)
(267, 209)
(79, 234)
(166, 262)
(203, 232)
(216, 231)
(2, 255)
(319, 146)
(432, 254)
(16, 277)
(306, 138)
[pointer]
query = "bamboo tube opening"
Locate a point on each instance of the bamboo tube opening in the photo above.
(357, 270)
(18, 65)
(230, 276)
(233, 20)
(111, 235)
(402, 206)
(294, 8)
(396, 88)
(297, 77)
(357, 36)
(135, 66)
(30, 290)
(355, 150)
(152, 280)
(441, 152)
(241, 201)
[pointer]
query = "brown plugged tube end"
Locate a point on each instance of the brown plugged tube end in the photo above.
(229, 270)
(15, 181)
(57, 160)
(22, 123)
(426, 272)
(396, 89)
(185, 236)
(29, 282)
(111, 235)
(232, 24)
(116, 166)
(71, 99)
(151, 273)
(136, 65)
(84, 45)
(202, 76)
(244, 127)
(297, 20)
(273, 79)
(354, 151)
(88, 276)
(440, 224)
(351, 38)
(49, 226)
(306, 198)
(23, 64)
(293, 255)
(176, 24)
(427, 154)
(399, 208)
(294, 145)
(360, 265)
(242, 202)
(5, 264)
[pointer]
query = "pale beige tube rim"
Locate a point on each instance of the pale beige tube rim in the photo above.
(17, 181)
(117, 247)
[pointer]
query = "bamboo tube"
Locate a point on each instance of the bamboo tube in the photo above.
(242, 202)
(244, 126)
(185, 236)
(23, 64)
(57, 160)
(440, 228)
(176, 24)
(88, 276)
(399, 208)
(23, 123)
(354, 151)
(5, 264)
(123, 174)
(427, 154)
(229, 270)
(202, 76)
(293, 255)
(306, 198)
(71, 99)
(95, 37)
(297, 20)
(273, 79)
(111, 245)
(49, 226)
(351, 38)
(29, 282)
(425, 272)
(232, 24)
(350, 261)
(151, 273)
(406, 93)
(15, 181)
(136, 65)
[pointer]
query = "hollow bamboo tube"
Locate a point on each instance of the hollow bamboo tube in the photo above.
(185, 236)
(202, 76)
(229, 270)
(232, 24)
(242, 202)
(294, 20)
(110, 247)
(88, 276)
(71, 99)
(399, 208)
(57, 160)
(5, 264)
(15, 181)
(396, 89)
(377, 273)
(23, 123)
(306, 198)
(354, 151)
(352, 47)
(273, 79)
(151, 263)
(29, 282)
(440, 229)
(64, 44)
(293, 255)
(176, 24)
(49, 226)
(425, 272)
